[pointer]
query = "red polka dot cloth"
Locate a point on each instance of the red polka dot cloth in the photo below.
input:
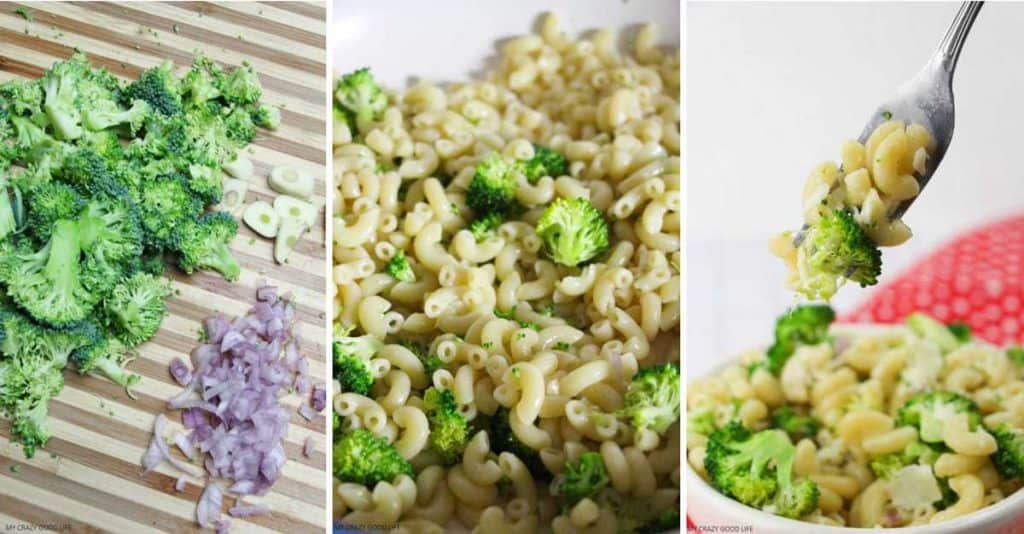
(977, 279)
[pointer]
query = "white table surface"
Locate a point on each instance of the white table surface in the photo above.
(448, 40)
(773, 89)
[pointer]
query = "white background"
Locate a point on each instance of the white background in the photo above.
(448, 40)
(773, 89)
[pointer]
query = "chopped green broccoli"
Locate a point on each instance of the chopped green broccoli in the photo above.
(363, 458)
(493, 187)
(573, 231)
(1009, 457)
(793, 423)
(929, 410)
(108, 358)
(584, 478)
(135, 307)
(241, 86)
(358, 94)
(803, 325)
(960, 330)
(267, 116)
(157, 87)
(398, 268)
(756, 469)
(431, 361)
(108, 114)
(449, 430)
(204, 245)
(352, 362)
(166, 207)
(483, 228)
(8, 219)
(652, 398)
(545, 162)
(48, 282)
(836, 248)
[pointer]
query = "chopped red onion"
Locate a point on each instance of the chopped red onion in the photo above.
(223, 526)
(180, 371)
(152, 457)
(184, 446)
(308, 447)
(240, 510)
(179, 485)
(319, 399)
(307, 411)
(231, 403)
(148, 462)
(208, 510)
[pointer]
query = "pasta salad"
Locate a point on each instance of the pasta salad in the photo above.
(846, 210)
(871, 427)
(506, 293)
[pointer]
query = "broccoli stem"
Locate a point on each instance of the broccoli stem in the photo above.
(111, 368)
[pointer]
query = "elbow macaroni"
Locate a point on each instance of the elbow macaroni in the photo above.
(493, 320)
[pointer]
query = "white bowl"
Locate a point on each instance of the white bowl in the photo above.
(714, 513)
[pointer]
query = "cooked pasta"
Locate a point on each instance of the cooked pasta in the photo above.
(873, 180)
(876, 423)
(456, 298)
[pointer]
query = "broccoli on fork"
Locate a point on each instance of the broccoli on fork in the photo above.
(836, 248)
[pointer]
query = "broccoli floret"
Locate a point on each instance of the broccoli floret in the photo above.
(47, 282)
(493, 187)
(336, 425)
(157, 87)
(29, 415)
(135, 308)
(545, 162)
(106, 114)
(929, 411)
(352, 362)
(584, 478)
(8, 206)
(1009, 458)
(241, 86)
(204, 245)
(200, 83)
(89, 172)
(206, 183)
(165, 207)
(110, 233)
(21, 97)
(240, 128)
(884, 466)
(267, 116)
(483, 228)
(931, 330)
(106, 357)
(1016, 355)
(836, 248)
(804, 325)
(358, 94)
(573, 231)
(503, 439)
(757, 470)
(793, 423)
(61, 87)
(363, 458)
(449, 430)
(652, 398)
(398, 268)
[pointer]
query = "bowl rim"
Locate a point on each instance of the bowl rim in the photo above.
(1009, 506)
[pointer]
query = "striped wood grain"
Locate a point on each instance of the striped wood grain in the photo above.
(87, 479)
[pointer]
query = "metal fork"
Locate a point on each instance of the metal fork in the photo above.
(927, 99)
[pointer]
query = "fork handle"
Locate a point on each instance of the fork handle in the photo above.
(953, 42)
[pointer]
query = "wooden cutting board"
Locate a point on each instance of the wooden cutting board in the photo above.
(87, 478)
